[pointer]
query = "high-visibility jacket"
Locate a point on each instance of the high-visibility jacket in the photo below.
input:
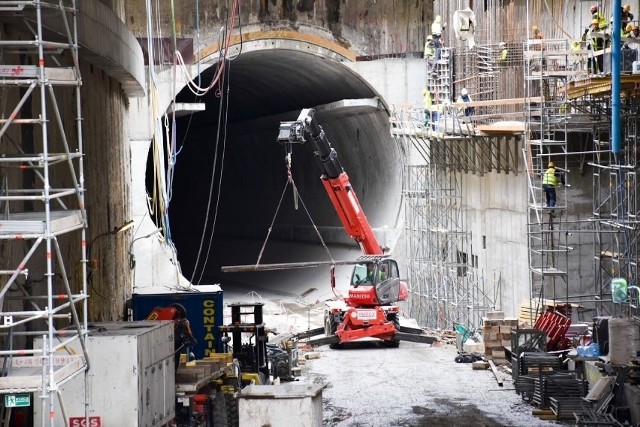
(597, 42)
(429, 50)
(427, 99)
(504, 54)
(602, 21)
(549, 178)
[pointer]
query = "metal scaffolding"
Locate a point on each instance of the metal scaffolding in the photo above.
(546, 108)
(43, 296)
(446, 284)
(616, 207)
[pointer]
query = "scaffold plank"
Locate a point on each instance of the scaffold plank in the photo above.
(26, 372)
(548, 271)
(35, 222)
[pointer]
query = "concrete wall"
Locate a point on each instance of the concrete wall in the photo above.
(108, 170)
(364, 27)
(494, 207)
(398, 81)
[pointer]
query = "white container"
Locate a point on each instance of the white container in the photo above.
(636, 67)
(275, 405)
(131, 380)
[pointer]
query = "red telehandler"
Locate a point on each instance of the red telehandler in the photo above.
(371, 310)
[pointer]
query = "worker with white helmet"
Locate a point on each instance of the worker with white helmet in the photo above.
(504, 52)
(436, 32)
(429, 48)
(464, 97)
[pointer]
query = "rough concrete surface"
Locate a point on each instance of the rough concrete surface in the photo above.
(413, 385)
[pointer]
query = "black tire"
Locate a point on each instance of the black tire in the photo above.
(219, 410)
(329, 330)
(393, 342)
(233, 414)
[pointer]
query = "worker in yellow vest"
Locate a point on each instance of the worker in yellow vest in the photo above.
(551, 180)
(596, 14)
(504, 53)
(428, 103)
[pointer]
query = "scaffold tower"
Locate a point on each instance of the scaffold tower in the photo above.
(447, 287)
(616, 204)
(43, 294)
(546, 106)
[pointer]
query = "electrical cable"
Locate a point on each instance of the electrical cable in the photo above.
(222, 125)
(221, 108)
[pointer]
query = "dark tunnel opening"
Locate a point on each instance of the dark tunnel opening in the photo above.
(237, 178)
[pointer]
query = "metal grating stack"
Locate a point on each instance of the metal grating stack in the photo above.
(539, 362)
(568, 407)
(558, 385)
(525, 385)
(594, 419)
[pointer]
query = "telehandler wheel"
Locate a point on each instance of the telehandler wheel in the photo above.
(329, 330)
(393, 342)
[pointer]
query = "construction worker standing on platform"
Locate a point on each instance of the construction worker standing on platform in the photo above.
(437, 27)
(577, 59)
(626, 16)
(595, 40)
(596, 14)
(464, 97)
(430, 54)
(428, 103)
(537, 34)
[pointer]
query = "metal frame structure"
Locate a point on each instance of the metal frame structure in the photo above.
(42, 300)
(616, 204)
(446, 285)
(546, 108)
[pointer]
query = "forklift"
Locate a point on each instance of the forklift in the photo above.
(251, 354)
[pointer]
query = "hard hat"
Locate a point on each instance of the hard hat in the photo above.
(429, 37)
(594, 8)
(627, 7)
(595, 22)
(628, 28)
(534, 28)
(463, 92)
(502, 44)
(438, 18)
(552, 165)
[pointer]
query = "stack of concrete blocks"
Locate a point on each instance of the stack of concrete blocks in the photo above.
(496, 333)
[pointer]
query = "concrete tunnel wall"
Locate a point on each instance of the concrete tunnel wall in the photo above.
(333, 31)
(268, 86)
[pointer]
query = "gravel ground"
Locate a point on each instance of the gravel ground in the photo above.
(413, 385)
(368, 385)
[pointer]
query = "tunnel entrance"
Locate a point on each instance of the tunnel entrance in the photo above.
(230, 175)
